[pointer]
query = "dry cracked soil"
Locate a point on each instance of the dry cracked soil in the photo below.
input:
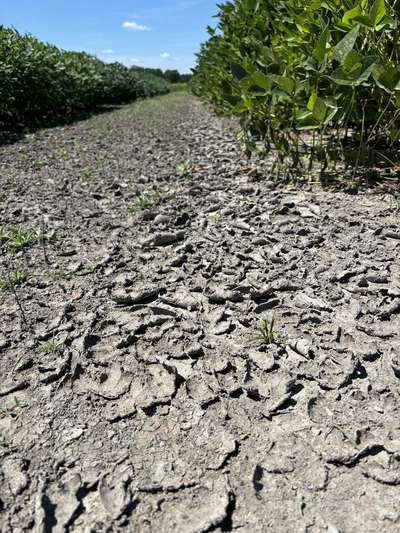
(139, 251)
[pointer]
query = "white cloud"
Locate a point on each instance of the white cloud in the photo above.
(134, 60)
(165, 55)
(134, 26)
(108, 51)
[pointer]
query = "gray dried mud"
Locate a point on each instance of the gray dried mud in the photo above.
(139, 394)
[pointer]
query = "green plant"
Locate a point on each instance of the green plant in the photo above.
(185, 169)
(48, 347)
(12, 410)
(39, 81)
(315, 83)
(87, 174)
(17, 278)
(182, 87)
(18, 238)
(58, 274)
(266, 329)
(144, 202)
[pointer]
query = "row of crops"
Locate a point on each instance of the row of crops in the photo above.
(316, 81)
(39, 81)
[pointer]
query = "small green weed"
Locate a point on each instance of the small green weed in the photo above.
(144, 202)
(87, 174)
(18, 238)
(185, 169)
(266, 329)
(48, 347)
(12, 410)
(17, 278)
(58, 274)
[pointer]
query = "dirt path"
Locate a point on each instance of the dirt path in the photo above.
(137, 393)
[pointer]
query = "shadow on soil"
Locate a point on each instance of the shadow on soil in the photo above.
(10, 133)
(377, 177)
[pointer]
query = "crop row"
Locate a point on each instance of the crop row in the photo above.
(39, 81)
(309, 79)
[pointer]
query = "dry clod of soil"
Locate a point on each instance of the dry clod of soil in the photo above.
(139, 388)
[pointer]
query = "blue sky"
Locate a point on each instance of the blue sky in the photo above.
(151, 33)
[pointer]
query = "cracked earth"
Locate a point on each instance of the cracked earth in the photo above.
(137, 392)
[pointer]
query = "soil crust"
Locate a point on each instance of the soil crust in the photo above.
(137, 391)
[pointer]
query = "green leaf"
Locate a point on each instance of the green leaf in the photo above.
(352, 61)
(365, 20)
(306, 121)
(340, 77)
(358, 75)
(261, 80)
(320, 49)
(238, 71)
(387, 78)
(246, 83)
(231, 99)
(330, 115)
(269, 55)
(251, 5)
(368, 65)
(315, 5)
(345, 46)
(395, 134)
(377, 12)
(311, 101)
(350, 15)
(319, 110)
(387, 23)
(285, 83)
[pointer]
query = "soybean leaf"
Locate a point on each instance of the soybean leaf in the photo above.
(261, 80)
(395, 134)
(284, 83)
(352, 61)
(367, 68)
(311, 101)
(331, 113)
(340, 77)
(238, 71)
(252, 5)
(320, 49)
(387, 78)
(306, 121)
(319, 110)
(365, 20)
(350, 15)
(377, 12)
(345, 46)
(387, 23)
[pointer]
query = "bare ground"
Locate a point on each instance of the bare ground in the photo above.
(137, 392)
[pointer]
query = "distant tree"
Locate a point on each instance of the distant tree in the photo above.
(172, 76)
